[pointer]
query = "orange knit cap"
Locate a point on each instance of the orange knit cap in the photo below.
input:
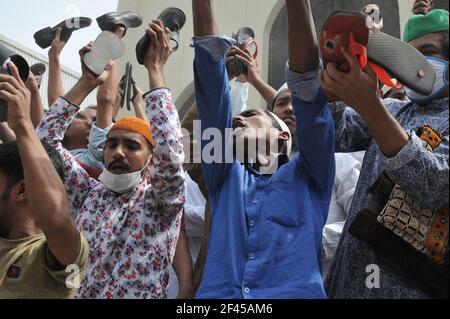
(136, 125)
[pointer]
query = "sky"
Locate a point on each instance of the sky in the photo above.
(20, 19)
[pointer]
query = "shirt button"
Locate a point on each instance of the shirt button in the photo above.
(247, 290)
(252, 223)
(252, 256)
(255, 201)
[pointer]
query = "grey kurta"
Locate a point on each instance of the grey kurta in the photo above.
(424, 175)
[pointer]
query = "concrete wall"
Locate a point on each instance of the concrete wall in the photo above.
(231, 15)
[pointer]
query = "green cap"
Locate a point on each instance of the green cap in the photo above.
(420, 25)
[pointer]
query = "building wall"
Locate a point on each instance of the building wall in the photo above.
(260, 15)
(69, 76)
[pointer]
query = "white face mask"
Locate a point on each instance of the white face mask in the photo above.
(239, 97)
(121, 184)
(441, 68)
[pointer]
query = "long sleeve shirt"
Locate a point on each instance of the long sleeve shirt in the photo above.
(423, 174)
(132, 237)
(92, 156)
(266, 230)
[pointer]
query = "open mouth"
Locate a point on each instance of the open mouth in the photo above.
(118, 168)
(237, 124)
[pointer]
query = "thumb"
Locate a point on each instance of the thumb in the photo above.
(15, 73)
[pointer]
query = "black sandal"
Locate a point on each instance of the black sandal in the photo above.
(172, 18)
(45, 37)
(111, 21)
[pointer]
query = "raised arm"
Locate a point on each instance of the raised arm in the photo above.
(137, 103)
(166, 169)
(55, 124)
(315, 127)
(212, 88)
(253, 76)
(107, 93)
(37, 107)
(303, 44)
(204, 22)
(44, 188)
(55, 84)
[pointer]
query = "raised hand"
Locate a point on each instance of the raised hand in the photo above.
(252, 64)
(422, 6)
(17, 97)
(87, 75)
(57, 45)
(356, 88)
(160, 49)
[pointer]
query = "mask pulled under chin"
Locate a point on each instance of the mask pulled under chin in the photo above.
(441, 83)
(121, 184)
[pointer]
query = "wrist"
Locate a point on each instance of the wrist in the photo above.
(86, 85)
(256, 81)
(370, 109)
(53, 56)
(23, 126)
(154, 68)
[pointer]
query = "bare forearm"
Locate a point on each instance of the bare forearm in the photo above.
(6, 134)
(303, 45)
(55, 83)
(265, 90)
(386, 131)
(156, 77)
(79, 92)
(182, 264)
(204, 23)
(139, 110)
(47, 196)
(106, 99)
(37, 108)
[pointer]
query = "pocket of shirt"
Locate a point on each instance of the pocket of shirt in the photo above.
(282, 206)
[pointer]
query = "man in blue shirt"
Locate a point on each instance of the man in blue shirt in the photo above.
(266, 228)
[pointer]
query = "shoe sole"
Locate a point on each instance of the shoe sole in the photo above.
(107, 47)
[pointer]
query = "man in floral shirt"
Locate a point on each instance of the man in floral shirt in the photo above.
(132, 226)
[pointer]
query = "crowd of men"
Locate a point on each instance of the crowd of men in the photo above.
(97, 207)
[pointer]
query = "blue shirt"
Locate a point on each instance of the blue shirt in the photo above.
(266, 233)
(93, 155)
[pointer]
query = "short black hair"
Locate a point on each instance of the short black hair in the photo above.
(11, 164)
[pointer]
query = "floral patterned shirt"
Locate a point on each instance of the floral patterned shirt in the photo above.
(132, 237)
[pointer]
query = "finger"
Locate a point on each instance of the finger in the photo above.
(14, 71)
(334, 73)
(158, 28)
(323, 85)
(159, 23)
(58, 34)
(421, 4)
(8, 87)
(6, 96)
(243, 59)
(247, 54)
(352, 61)
(86, 49)
(329, 81)
(153, 36)
(229, 58)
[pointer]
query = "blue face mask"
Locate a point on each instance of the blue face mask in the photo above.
(239, 97)
(441, 68)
